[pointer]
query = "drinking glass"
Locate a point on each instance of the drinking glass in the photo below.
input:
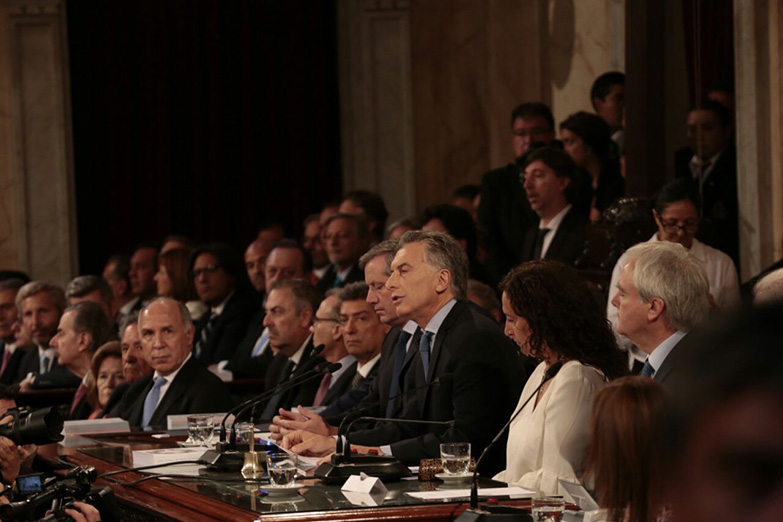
(548, 509)
(281, 468)
(200, 428)
(455, 457)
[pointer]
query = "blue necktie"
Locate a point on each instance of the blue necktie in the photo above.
(151, 402)
(399, 352)
(647, 369)
(424, 351)
(44, 364)
(338, 283)
(261, 343)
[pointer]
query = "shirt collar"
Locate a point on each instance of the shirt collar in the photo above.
(410, 327)
(440, 316)
(170, 377)
(662, 351)
(346, 362)
(554, 223)
(127, 307)
(364, 369)
(344, 274)
(217, 310)
(297, 356)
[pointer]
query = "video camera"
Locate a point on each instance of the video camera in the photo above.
(58, 493)
(39, 427)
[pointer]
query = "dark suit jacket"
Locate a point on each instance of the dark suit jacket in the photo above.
(112, 408)
(228, 330)
(720, 205)
(194, 390)
(303, 393)
(11, 373)
(668, 372)
(341, 385)
(486, 380)
(241, 364)
(567, 245)
(56, 377)
(82, 411)
(327, 281)
(505, 214)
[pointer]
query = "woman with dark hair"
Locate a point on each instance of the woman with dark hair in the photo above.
(588, 140)
(554, 316)
(106, 374)
(624, 459)
(173, 280)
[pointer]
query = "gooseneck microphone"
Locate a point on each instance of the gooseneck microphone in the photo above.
(551, 372)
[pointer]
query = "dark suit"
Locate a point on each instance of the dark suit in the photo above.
(228, 329)
(56, 377)
(567, 245)
(242, 365)
(505, 214)
(112, 408)
(486, 380)
(303, 393)
(720, 205)
(82, 411)
(341, 386)
(327, 281)
(668, 372)
(194, 390)
(11, 373)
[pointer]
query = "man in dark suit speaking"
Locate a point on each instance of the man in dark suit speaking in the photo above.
(662, 293)
(428, 284)
(180, 384)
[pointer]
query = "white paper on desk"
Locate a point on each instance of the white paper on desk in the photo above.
(511, 491)
(81, 427)
(191, 470)
(363, 483)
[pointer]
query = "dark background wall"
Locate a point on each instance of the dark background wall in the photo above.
(203, 118)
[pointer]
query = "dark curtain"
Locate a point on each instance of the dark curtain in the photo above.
(203, 118)
(715, 36)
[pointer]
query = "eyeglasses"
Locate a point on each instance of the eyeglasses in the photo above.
(209, 269)
(671, 227)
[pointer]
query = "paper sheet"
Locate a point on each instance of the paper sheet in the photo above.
(445, 494)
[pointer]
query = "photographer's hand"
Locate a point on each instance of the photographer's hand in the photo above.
(85, 513)
(9, 460)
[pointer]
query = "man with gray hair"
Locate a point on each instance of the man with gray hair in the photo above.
(91, 288)
(40, 304)
(180, 384)
(465, 369)
(83, 328)
(662, 293)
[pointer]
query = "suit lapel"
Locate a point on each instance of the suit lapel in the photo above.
(560, 236)
(173, 394)
(137, 408)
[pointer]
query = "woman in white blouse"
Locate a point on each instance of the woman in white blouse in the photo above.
(554, 315)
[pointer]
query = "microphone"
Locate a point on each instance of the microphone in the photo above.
(550, 373)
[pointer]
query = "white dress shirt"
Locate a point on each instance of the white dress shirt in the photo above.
(169, 378)
(552, 226)
(549, 441)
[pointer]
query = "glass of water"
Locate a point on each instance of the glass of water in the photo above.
(281, 468)
(200, 428)
(455, 457)
(548, 509)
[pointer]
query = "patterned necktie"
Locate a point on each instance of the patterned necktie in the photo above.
(539, 248)
(357, 380)
(80, 391)
(261, 343)
(400, 350)
(272, 406)
(647, 369)
(151, 402)
(424, 351)
(323, 389)
(206, 333)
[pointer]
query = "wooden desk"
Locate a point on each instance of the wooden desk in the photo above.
(189, 501)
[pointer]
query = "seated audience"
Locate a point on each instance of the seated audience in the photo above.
(311, 241)
(608, 98)
(175, 241)
(94, 289)
(173, 280)
(676, 214)
(346, 238)
(179, 383)
(10, 353)
(134, 365)
(369, 206)
(82, 329)
(290, 308)
(399, 227)
(586, 138)
(117, 274)
(458, 222)
(143, 266)
(724, 432)
(553, 315)
(362, 331)
(467, 197)
(106, 372)
(428, 284)
(710, 162)
(550, 181)
(662, 294)
(769, 289)
(504, 212)
(625, 457)
(221, 284)
(255, 261)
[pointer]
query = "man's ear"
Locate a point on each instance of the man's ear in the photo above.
(85, 341)
(337, 332)
(442, 281)
(657, 307)
(306, 316)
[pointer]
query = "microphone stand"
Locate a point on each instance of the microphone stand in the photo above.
(473, 513)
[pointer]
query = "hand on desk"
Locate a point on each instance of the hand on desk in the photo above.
(309, 444)
(288, 422)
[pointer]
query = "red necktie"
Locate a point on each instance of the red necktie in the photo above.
(6, 357)
(323, 389)
(80, 391)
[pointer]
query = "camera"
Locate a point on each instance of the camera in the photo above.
(39, 427)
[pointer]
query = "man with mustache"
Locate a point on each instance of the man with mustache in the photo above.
(134, 366)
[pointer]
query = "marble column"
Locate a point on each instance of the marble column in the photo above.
(37, 208)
